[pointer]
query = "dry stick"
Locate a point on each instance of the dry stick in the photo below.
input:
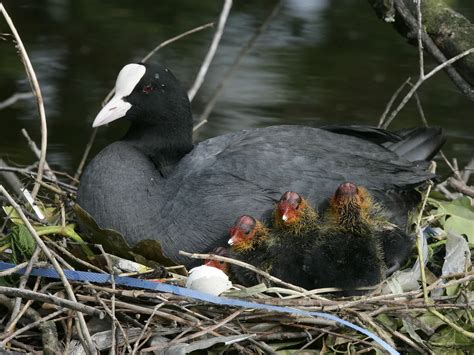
(391, 101)
(23, 280)
(14, 98)
(228, 74)
(420, 42)
(26, 306)
(13, 270)
(65, 303)
(212, 50)
(31, 325)
(57, 267)
(39, 98)
(147, 324)
(420, 81)
(252, 268)
(461, 186)
(111, 92)
(432, 48)
(112, 280)
(34, 148)
(197, 334)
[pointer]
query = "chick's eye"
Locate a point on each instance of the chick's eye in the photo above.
(148, 88)
(221, 262)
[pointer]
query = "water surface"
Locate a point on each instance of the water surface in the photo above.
(319, 62)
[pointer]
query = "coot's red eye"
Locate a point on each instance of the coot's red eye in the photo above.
(148, 88)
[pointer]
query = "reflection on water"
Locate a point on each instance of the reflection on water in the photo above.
(319, 62)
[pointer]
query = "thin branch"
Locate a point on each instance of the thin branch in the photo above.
(42, 297)
(433, 49)
(212, 50)
(391, 101)
(420, 42)
(230, 72)
(421, 81)
(14, 98)
(39, 98)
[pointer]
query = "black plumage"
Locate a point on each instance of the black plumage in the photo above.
(154, 184)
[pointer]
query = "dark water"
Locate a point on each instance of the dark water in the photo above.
(320, 62)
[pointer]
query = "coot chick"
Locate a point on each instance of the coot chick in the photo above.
(154, 184)
(294, 230)
(248, 242)
(348, 253)
(219, 264)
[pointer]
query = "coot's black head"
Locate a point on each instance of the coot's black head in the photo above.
(148, 95)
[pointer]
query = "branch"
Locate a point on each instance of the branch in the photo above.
(212, 50)
(39, 98)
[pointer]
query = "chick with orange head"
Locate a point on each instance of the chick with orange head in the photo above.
(347, 253)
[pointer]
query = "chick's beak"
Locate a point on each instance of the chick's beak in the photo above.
(287, 213)
(235, 235)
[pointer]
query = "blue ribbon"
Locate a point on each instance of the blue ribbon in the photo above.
(185, 292)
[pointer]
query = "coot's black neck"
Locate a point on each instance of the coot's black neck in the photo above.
(165, 143)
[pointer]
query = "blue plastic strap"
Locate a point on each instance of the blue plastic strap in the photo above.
(181, 291)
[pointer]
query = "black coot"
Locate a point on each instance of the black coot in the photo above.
(153, 184)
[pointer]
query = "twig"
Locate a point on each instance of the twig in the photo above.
(420, 81)
(13, 269)
(147, 324)
(21, 286)
(34, 148)
(228, 74)
(212, 50)
(112, 280)
(14, 98)
(39, 98)
(391, 101)
(432, 48)
(197, 334)
(249, 267)
(31, 325)
(461, 186)
(82, 163)
(37, 296)
(57, 267)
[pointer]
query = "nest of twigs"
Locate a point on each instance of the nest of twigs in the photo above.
(41, 314)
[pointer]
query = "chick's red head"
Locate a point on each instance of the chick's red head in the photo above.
(288, 208)
(242, 232)
(221, 265)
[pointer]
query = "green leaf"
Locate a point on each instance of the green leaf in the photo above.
(12, 214)
(458, 216)
(23, 240)
(448, 337)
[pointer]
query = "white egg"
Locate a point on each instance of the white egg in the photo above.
(208, 279)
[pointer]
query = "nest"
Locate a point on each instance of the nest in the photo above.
(76, 316)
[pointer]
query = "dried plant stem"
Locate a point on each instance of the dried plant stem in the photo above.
(39, 98)
(212, 50)
(31, 325)
(391, 101)
(420, 81)
(42, 297)
(21, 286)
(228, 74)
(90, 346)
(14, 98)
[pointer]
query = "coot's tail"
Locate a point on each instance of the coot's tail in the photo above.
(416, 144)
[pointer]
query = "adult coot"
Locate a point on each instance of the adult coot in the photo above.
(154, 184)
